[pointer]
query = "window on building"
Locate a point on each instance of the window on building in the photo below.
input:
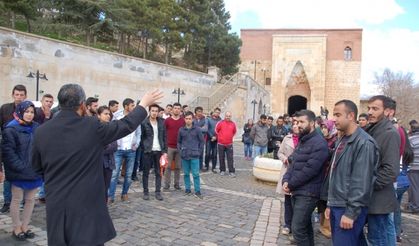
(268, 81)
(347, 53)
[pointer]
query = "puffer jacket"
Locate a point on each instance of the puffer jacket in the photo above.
(305, 174)
(352, 175)
(147, 135)
(16, 149)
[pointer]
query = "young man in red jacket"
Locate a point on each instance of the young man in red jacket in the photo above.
(225, 131)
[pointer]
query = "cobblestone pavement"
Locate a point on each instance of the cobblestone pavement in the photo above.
(234, 211)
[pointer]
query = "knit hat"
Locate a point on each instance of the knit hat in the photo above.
(20, 110)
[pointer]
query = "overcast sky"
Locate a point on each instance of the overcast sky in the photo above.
(390, 28)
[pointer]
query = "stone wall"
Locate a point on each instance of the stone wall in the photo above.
(104, 74)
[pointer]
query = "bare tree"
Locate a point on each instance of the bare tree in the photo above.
(403, 89)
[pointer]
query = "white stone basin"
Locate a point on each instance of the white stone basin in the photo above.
(267, 169)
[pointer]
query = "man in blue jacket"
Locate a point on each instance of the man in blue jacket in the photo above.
(304, 176)
(190, 144)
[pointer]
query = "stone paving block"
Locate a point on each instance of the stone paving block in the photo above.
(208, 244)
(42, 243)
(241, 239)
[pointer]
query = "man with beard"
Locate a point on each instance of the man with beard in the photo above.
(304, 176)
(92, 105)
(353, 162)
(381, 229)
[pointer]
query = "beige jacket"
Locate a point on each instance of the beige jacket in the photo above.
(285, 150)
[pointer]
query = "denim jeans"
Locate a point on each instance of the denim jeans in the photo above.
(188, 166)
(223, 151)
(41, 192)
(259, 150)
(302, 229)
(351, 237)
(288, 211)
(381, 231)
(397, 214)
(248, 150)
(7, 192)
(129, 156)
(211, 154)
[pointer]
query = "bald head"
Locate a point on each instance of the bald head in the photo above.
(227, 116)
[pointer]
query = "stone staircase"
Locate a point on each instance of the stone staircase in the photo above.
(220, 92)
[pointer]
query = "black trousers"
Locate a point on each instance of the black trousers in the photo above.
(211, 154)
(223, 151)
(151, 159)
(107, 174)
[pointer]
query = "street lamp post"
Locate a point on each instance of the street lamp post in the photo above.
(254, 108)
(179, 93)
(38, 76)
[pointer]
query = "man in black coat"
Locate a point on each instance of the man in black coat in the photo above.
(68, 152)
(304, 177)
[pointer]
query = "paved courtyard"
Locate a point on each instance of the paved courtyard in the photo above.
(234, 211)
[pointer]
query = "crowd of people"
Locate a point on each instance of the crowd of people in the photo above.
(352, 169)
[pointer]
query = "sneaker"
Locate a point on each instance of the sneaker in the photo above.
(198, 194)
(177, 187)
(166, 189)
(42, 200)
(285, 231)
(146, 196)
(158, 196)
(399, 239)
(204, 170)
(124, 197)
(135, 179)
(188, 192)
(214, 171)
(5, 208)
(233, 175)
(222, 173)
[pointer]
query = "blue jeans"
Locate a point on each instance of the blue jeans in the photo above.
(397, 214)
(188, 166)
(301, 227)
(7, 192)
(259, 150)
(41, 192)
(351, 237)
(248, 150)
(381, 230)
(129, 156)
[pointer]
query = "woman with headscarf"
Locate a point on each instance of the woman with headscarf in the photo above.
(16, 147)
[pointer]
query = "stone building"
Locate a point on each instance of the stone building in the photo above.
(304, 68)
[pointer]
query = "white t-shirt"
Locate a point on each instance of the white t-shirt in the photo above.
(156, 143)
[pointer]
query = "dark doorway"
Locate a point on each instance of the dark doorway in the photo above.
(296, 103)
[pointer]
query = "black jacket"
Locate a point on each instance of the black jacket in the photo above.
(16, 146)
(276, 134)
(352, 175)
(147, 135)
(190, 142)
(383, 200)
(108, 155)
(68, 151)
(305, 174)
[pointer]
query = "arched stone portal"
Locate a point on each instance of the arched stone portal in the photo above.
(296, 103)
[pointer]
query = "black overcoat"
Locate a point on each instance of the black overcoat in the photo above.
(68, 152)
